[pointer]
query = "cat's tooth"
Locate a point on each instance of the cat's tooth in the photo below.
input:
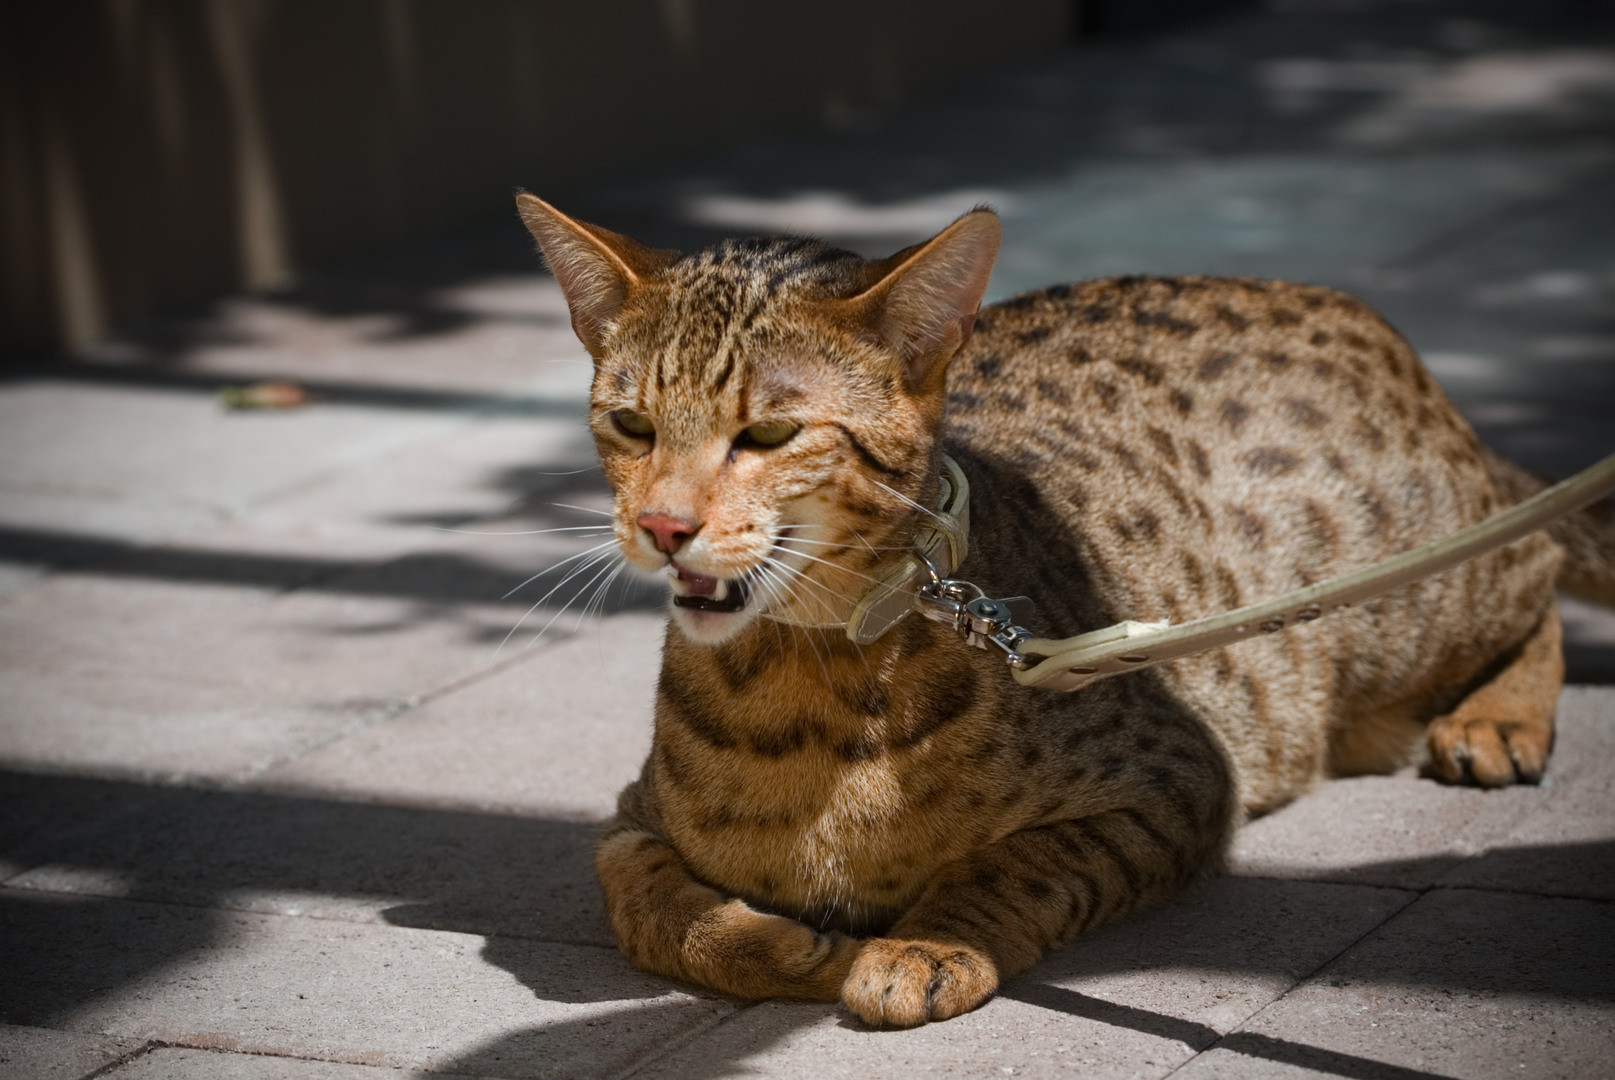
(678, 586)
(722, 591)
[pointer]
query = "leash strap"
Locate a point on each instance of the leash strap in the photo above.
(1072, 663)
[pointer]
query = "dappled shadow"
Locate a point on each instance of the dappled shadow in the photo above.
(131, 880)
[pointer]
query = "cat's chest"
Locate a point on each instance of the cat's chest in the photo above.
(847, 791)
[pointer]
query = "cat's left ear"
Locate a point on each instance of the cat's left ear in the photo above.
(924, 306)
(597, 269)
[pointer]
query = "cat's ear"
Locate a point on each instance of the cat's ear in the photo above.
(597, 269)
(923, 308)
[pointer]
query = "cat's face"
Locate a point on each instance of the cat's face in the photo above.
(764, 418)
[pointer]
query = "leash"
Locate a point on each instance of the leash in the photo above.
(920, 583)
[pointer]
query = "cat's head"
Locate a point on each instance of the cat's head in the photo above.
(766, 410)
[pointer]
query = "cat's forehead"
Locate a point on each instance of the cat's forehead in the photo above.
(718, 318)
(772, 266)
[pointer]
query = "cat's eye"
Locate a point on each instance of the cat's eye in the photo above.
(769, 433)
(633, 424)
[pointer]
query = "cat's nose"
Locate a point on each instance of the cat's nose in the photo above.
(669, 532)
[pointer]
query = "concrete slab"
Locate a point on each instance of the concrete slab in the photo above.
(95, 441)
(1403, 830)
(1413, 832)
(1566, 846)
(1138, 998)
(140, 678)
(1461, 984)
(171, 1064)
(38, 1054)
(803, 1041)
(496, 327)
(556, 735)
(42, 816)
(517, 876)
(338, 991)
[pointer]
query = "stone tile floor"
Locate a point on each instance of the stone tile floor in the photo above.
(284, 794)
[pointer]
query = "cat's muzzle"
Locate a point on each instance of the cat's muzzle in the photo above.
(702, 592)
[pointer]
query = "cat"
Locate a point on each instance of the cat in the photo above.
(899, 824)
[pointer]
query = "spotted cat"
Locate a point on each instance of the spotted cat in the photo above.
(899, 824)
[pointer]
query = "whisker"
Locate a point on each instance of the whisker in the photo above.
(579, 569)
(927, 511)
(803, 577)
(569, 602)
(583, 509)
(556, 566)
(519, 532)
(835, 543)
(597, 601)
(834, 566)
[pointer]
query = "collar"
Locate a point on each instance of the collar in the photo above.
(941, 543)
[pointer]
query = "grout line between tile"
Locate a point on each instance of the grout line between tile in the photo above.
(163, 1044)
(133, 1055)
(1413, 897)
(1423, 890)
(398, 708)
(690, 1036)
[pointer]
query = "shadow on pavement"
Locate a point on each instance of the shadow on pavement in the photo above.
(75, 927)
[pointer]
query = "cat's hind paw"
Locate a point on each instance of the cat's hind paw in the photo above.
(1490, 753)
(896, 983)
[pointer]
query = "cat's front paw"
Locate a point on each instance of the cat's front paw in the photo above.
(1491, 753)
(904, 983)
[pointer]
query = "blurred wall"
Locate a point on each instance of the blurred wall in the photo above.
(156, 151)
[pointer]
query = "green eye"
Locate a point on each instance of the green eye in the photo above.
(771, 433)
(633, 424)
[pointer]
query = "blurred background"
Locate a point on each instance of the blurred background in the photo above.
(203, 196)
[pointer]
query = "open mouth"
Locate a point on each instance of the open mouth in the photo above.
(699, 592)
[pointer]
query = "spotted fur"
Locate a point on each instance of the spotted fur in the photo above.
(900, 825)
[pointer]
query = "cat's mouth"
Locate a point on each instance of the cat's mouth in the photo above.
(700, 592)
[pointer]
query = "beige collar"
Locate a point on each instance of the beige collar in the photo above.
(940, 544)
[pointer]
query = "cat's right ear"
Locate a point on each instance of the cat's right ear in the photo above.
(923, 308)
(597, 269)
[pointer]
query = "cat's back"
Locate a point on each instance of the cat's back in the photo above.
(1210, 442)
(1276, 424)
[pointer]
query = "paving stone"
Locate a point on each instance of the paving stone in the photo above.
(1565, 847)
(499, 332)
(557, 735)
(173, 1064)
(139, 678)
(522, 876)
(338, 991)
(43, 816)
(89, 440)
(41, 531)
(1403, 830)
(788, 1039)
(1409, 831)
(1461, 984)
(37, 1053)
(1137, 998)
(461, 519)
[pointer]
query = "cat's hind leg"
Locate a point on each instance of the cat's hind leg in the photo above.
(668, 922)
(1501, 733)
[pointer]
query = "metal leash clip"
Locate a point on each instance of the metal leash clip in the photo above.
(981, 620)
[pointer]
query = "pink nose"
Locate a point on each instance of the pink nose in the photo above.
(669, 532)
